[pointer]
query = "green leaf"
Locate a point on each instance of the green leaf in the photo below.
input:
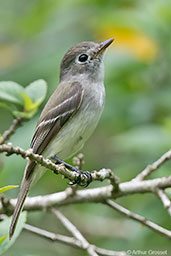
(3, 189)
(37, 91)
(2, 238)
(4, 229)
(25, 115)
(22, 102)
(10, 92)
(6, 106)
(28, 103)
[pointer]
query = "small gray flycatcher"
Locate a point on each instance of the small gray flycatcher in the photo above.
(70, 115)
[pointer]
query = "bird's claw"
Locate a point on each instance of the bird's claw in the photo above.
(78, 180)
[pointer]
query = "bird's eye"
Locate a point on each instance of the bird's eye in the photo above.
(83, 57)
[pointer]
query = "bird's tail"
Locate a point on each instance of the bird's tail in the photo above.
(24, 189)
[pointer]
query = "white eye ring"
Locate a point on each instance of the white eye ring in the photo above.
(82, 58)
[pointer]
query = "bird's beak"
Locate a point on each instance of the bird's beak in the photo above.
(103, 46)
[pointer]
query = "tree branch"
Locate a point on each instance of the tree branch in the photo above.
(60, 168)
(164, 199)
(75, 232)
(153, 167)
(97, 195)
(139, 218)
(8, 133)
(68, 240)
(90, 195)
(52, 236)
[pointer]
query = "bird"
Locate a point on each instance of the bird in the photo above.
(70, 115)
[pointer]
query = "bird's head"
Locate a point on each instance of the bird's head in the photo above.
(84, 59)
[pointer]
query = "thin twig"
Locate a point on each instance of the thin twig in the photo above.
(114, 180)
(68, 240)
(139, 218)
(105, 252)
(58, 169)
(79, 161)
(137, 185)
(7, 134)
(52, 236)
(164, 199)
(75, 232)
(153, 167)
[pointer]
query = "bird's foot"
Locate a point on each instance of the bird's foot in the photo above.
(74, 169)
(79, 180)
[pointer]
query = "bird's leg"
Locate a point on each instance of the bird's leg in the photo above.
(74, 169)
(59, 161)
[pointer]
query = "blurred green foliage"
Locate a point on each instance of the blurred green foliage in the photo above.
(5, 243)
(22, 102)
(3, 189)
(135, 128)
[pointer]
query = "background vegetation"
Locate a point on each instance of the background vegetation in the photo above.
(135, 128)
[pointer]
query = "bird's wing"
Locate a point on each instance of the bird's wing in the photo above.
(63, 104)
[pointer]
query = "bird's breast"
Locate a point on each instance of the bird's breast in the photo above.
(78, 129)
